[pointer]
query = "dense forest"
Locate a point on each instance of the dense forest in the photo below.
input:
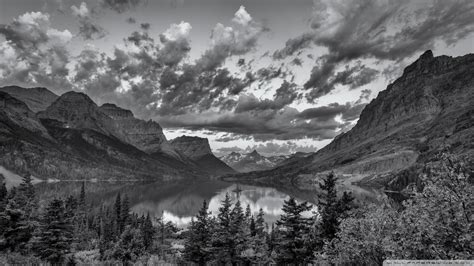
(434, 223)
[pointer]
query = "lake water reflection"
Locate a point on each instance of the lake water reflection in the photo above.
(179, 202)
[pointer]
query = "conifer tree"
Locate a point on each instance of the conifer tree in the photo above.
(147, 232)
(294, 246)
(118, 212)
(125, 213)
(197, 247)
(238, 233)
(248, 213)
(332, 209)
(55, 236)
(222, 240)
(82, 196)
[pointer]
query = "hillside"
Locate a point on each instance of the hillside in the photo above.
(428, 109)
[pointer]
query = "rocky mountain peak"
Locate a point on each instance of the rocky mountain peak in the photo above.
(37, 99)
(116, 112)
(192, 147)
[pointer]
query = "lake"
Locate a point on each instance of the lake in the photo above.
(178, 202)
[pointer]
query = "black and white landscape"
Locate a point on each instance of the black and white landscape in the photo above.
(209, 132)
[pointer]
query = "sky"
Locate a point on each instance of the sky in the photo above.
(272, 75)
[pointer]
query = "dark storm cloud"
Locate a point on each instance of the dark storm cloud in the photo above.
(324, 79)
(121, 6)
(294, 45)
(284, 96)
(383, 30)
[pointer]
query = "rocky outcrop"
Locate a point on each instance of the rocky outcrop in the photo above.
(145, 135)
(198, 150)
(37, 99)
(429, 108)
(192, 147)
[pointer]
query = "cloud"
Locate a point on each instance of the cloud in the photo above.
(131, 20)
(242, 17)
(121, 6)
(145, 26)
(324, 79)
(33, 52)
(227, 41)
(382, 30)
(88, 29)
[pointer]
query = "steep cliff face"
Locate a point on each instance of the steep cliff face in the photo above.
(192, 147)
(37, 99)
(145, 135)
(429, 108)
(198, 151)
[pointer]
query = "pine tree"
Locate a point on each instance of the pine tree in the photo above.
(252, 229)
(3, 191)
(147, 232)
(248, 213)
(332, 209)
(19, 218)
(125, 213)
(82, 196)
(260, 222)
(130, 245)
(293, 244)
(118, 212)
(238, 233)
(197, 247)
(55, 236)
(222, 240)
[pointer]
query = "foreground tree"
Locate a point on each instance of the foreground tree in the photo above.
(294, 245)
(197, 247)
(55, 236)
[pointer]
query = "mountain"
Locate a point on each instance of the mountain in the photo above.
(198, 150)
(145, 135)
(251, 161)
(37, 99)
(428, 109)
(75, 139)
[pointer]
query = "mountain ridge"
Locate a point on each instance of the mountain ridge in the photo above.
(427, 109)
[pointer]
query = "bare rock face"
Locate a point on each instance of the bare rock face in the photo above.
(192, 147)
(145, 135)
(15, 111)
(77, 110)
(428, 109)
(37, 99)
(198, 150)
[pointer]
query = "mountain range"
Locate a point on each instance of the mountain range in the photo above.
(429, 109)
(254, 161)
(71, 137)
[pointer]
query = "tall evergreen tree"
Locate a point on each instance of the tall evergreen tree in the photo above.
(125, 213)
(332, 209)
(238, 231)
(82, 195)
(197, 247)
(222, 240)
(147, 232)
(55, 236)
(118, 212)
(294, 245)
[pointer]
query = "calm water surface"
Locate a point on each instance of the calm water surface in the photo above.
(180, 201)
